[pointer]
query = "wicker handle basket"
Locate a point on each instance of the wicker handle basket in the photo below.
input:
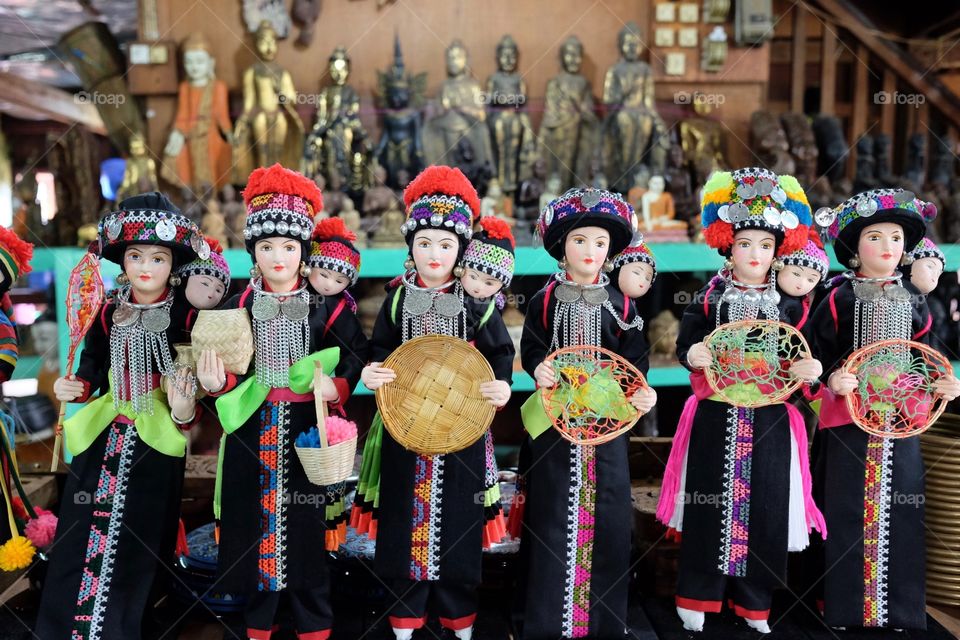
(327, 464)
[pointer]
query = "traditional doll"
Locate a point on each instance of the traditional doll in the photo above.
(205, 281)
(803, 270)
(334, 262)
(488, 261)
(430, 522)
(577, 510)
(751, 461)
(118, 514)
(488, 264)
(874, 570)
(270, 515)
(15, 256)
(635, 269)
(928, 263)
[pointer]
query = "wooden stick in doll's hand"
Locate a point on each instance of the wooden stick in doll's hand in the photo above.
(84, 298)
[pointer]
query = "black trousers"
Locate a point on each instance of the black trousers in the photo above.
(312, 612)
(454, 603)
(701, 591)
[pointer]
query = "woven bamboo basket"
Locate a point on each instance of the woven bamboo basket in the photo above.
(228, 332)
(434, 405)
(328, 464)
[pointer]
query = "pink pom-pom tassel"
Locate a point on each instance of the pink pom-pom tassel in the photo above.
(41, 530)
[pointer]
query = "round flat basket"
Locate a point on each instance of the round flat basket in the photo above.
(751, 362)
(228, 332)
(894, 397)
(590, 402)
(434, 405)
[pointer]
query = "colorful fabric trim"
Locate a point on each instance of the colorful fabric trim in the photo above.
(214, 266)
(273, 488)
(490, 259)
(146, 226)
(868, 203)
(439, 211)
(106, 522)
(927, 249)
(876, 529)
(810, 256)
(427, 507)
(271, 215)
(581, 513)
(736, 495)
(638, 251)
(9, 347)
(580, 207)
(363, 515)
(336, 256)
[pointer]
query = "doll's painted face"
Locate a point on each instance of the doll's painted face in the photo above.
(148, 268)
(880, 249)
(635, 279)
(435, 253)
(479, 285)
(798, 281)
(279, 261)
(327, 282)
(585, 250)
(925, 274)
(752, 254)
(204, 292)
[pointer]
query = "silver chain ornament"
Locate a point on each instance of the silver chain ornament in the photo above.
(432, 310)
(281, 332)
(138, 338)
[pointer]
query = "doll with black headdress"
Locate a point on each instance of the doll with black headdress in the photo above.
(577, 508)
(871, 486)
(736, 489)
(121, 502)
(429, 521)
(271, 516)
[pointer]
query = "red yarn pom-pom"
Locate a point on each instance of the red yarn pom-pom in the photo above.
(214, 245)
(719, 235)
(330, 228)
(793, 240)
(446, 180)
(276, 179)
(21, 250)
(497, 229)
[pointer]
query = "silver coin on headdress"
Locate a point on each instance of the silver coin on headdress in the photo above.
(156, 320)
(265, 308)
(903, 197)
(448, 305)
(789, 220)
(723, 212)
(867, 208)
(738, 212)
(166, 230)
(295, 308)
(548, 215)
(590, 199)
(763, 187)
(417, 302)
(825, 216)
(125, 315)
(778, 195)
(200, 246)
(771, 216)
(746, 191)
(595, 295)
(114, 228)
(566, 292)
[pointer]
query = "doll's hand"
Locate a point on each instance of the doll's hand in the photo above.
(842, 383)
(496, 392)
(210, 371)
(543, 374)
(374, 376)
(807, 369)
(948, 387)
(328, 390)
(67, 389)
(179, 396)
(699, 356)
(643, 400)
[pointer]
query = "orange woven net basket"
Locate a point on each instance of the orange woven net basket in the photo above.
(434, 405)
(751, 362)
(590, 402)
(894, 397)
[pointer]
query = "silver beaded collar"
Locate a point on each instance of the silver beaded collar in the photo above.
(882, 309)
(432, 310)
(577, 318)
(748, 301)
(281, 331)
(137, 339)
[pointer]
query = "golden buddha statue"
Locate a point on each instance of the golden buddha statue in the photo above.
(510, 128)
(387, 232)
(199, 143)
(269, 129)
(702, 142)
(635, 132)
(140, 173)
(330, 143)
(461, 108)
(569, 127)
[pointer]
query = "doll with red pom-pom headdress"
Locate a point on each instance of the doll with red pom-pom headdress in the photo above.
(334, 261)
(431, 559)
(268, 539)
(871, 486)
(754, 460)
(118, 515)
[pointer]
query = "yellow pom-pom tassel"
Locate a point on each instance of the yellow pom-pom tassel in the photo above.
(16, 553)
